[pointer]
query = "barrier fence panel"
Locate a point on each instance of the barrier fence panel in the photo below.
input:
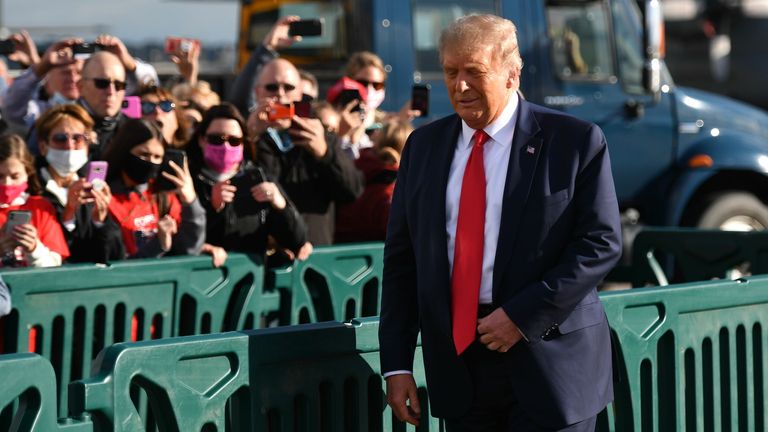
(676, 255)
(193, 383)
(691, 357)
(69, 314)
(28, 396)
(336, 283)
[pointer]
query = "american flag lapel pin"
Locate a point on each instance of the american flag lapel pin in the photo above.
(531, 149)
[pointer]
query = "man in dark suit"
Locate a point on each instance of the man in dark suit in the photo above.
(504, 220)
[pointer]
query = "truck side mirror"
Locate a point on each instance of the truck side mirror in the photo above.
(653, 47)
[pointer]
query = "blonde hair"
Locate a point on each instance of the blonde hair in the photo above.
(361, 60)
(391, 140)
(56, 114)
(486, 30)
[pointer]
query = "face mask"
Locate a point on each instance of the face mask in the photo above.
(59, 99)
(375, 98)
(140, 170)
(8, 193)
(66, 162)
(223, 158)
(282, 139)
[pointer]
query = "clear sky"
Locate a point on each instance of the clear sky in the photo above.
(134, 21)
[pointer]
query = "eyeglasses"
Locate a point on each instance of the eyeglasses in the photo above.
(274, 87)
(63, 138)
(376, 85)
(104, 83)
(148, 108)
(216, 139)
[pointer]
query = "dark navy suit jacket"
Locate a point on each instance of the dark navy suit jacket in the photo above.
(559, 236)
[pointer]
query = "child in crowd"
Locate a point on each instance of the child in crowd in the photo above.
(366, 218)
(34, 237)
(154, 222)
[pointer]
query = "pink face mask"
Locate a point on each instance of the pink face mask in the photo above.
(223, 158)
(8, 193)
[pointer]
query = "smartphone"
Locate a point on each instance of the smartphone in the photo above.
(347, 96)
(17, 217)
(420, 99)
(280, 111)
(174, 44)
(7, 46)
(132, 107)
(308, 27)
(97, 174)
(175, 155)
(83, 51)
(303, 109)
(245, 180)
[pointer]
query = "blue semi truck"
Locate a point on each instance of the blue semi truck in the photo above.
(681, 157)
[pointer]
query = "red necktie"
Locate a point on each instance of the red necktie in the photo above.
(468, 250)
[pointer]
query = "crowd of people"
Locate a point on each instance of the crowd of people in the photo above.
(99, 161)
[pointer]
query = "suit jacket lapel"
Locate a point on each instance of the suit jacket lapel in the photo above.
(443, 151)
(526, 149)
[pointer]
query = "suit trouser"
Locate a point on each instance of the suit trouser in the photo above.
(495, 407)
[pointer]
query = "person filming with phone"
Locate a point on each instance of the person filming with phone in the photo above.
(30, 235)
(297, 152)
(243, 206)
(154, 221)
(80, 196)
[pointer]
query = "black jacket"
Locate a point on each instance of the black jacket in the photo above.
(313, 185)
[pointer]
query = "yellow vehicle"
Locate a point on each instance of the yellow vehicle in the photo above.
(346, 28)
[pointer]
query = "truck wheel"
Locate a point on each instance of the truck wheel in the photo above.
(734, 211)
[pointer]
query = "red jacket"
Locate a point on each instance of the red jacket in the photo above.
(44, 219)
(366, 218)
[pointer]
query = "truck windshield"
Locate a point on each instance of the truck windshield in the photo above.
(629, 33)
(581, 44)
(430, 17)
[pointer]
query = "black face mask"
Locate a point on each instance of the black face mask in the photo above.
(140, 170)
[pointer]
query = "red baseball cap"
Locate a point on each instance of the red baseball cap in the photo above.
(345, 83)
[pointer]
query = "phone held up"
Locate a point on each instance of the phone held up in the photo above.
(347, 96)
(7, 46)
(132, 107)
(280, 112)
(420, 99)
(97, 174)
(17, 217)
(175, 44)
(178, 157)
(308, 27)
(83, 51)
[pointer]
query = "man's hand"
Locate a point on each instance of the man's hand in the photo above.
(403, 398)
(58, 54)
(26, 50)
(498, 332)
(114, 45)
(278, 36)
(188, 62)
(309, 134)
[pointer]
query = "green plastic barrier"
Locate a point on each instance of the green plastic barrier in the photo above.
(336, 283)
(69, 314)
(664, 255)
(690, 357)
(192, 383)
(300, 378)
(28, 380)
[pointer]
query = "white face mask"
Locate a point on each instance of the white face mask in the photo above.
(66, 162)
(375, 98)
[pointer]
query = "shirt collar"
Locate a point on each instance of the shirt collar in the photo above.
(501, 130)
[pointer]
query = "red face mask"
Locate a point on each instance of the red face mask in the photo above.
(8, 193)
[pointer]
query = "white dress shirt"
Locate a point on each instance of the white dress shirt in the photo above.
(496, 153)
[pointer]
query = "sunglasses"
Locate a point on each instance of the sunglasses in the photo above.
(63, 138)
(375, 85)
(148, 108)
(274, 87)
(104, 83)
(216, 139)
